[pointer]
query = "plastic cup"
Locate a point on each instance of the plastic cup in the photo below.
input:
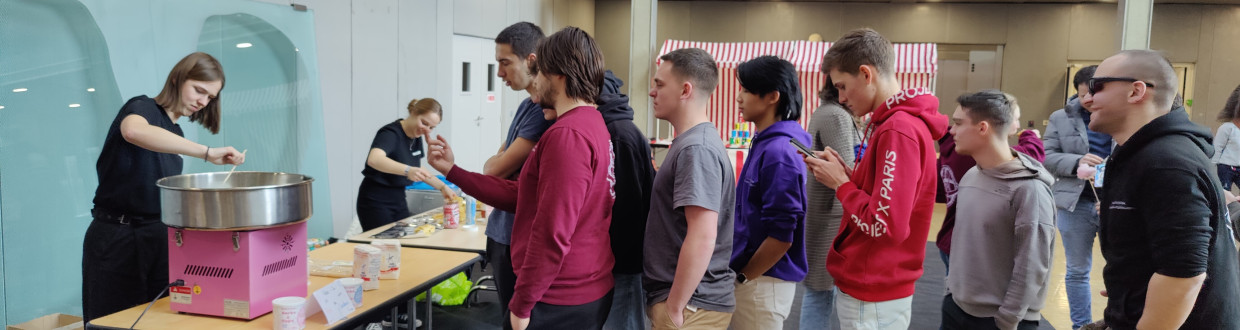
(353, 288)
(289, 313)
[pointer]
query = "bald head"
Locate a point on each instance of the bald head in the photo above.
(1151, 67)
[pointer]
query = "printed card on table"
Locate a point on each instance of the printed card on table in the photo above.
(334, 301)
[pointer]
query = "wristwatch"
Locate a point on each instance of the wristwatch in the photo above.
(740, 278)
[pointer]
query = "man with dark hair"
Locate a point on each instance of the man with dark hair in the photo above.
(768, 247)
(1070, 144)
(1006, 233)
(689, 234)
(634, 172)
(561, 251)
(514, 50)
(1170, 259)
(889, 198)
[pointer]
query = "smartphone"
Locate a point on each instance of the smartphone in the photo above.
(802, 148)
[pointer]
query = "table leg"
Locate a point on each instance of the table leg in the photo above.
(412, 306)
(428, 314)
(395, 317)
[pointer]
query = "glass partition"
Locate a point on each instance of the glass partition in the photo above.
(67, 66)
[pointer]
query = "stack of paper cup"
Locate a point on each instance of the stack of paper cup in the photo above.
(366, 265)
(289, 313)
(353, 288)
(390, 268)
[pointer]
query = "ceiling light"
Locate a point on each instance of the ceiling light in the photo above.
(75, 105)
(19, 90)
(90, 90)
(1, 107)
(245, 45)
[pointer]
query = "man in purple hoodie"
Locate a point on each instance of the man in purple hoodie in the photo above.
(768, 246)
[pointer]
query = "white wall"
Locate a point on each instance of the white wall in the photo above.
(377, 55)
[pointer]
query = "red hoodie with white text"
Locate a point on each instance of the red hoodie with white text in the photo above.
(878, 253)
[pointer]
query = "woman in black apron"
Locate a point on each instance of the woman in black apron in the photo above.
(125, 251)
(394, 163)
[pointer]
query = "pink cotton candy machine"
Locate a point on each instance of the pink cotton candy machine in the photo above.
(237, 243)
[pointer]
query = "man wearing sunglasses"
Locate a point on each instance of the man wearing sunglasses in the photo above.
(1170, 260)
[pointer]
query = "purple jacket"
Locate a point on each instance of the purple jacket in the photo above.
(770, 200)
(952, 167)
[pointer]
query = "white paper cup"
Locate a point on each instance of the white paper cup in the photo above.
(288, 313)
(353, 288)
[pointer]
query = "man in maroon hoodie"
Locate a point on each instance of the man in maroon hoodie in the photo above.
(888, 197)
(561, 250)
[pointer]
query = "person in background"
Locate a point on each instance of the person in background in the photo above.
(125, 250)
(768, 247)
(1170, 259)
(953, 165)
(830, 126)
(888, 197)
(395, 162)
(634, 173)
(561, 249)
(514, 50)
(1006, 235)
(1227, 142)
(1071, 144)
(689, 233)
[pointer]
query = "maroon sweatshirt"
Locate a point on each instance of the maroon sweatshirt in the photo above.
(952, 167)
(561, 249)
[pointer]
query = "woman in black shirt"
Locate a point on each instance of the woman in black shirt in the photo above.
(125, 251)
(394, 163)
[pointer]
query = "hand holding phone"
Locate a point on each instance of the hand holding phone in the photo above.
(802, 148)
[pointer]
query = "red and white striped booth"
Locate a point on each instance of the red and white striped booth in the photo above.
(916, 66)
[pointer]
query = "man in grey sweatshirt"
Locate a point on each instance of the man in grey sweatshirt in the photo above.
(1005, 223)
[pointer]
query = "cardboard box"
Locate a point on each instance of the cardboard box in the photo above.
(55, 321)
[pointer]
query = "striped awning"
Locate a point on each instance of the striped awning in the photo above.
(916, 67)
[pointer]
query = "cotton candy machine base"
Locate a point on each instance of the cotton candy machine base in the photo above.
(237, 244)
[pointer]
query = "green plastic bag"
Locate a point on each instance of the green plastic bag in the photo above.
(451, 292)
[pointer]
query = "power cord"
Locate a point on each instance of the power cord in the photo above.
(161, 294)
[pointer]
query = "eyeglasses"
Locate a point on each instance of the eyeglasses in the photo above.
(1097, 83)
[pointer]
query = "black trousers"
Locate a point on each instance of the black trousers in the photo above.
(123, 265)
(500, 256)
(378, 205)
(590, 315)
(956, 318)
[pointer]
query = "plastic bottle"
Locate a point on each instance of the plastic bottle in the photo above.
(471, 212)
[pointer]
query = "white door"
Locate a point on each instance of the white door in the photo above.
(475, 113)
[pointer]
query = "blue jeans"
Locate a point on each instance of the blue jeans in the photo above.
(816, 308)
(628, 307)
(1227, 175)
(947, 266)
(1078, 228)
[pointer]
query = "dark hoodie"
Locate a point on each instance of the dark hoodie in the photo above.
(634, 176)
(889, 200)
(1163, 212)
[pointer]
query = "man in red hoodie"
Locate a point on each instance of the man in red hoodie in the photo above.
(561, 249)
(888, 197)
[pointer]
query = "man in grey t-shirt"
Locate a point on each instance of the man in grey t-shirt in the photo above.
(689, 230)
(514, 50)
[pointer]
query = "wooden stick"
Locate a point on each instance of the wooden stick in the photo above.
(230, 172)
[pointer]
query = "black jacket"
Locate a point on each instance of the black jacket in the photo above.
(634, 175)
(1163, 212)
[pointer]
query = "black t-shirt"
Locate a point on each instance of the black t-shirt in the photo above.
(392, 139)
(127, 172)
